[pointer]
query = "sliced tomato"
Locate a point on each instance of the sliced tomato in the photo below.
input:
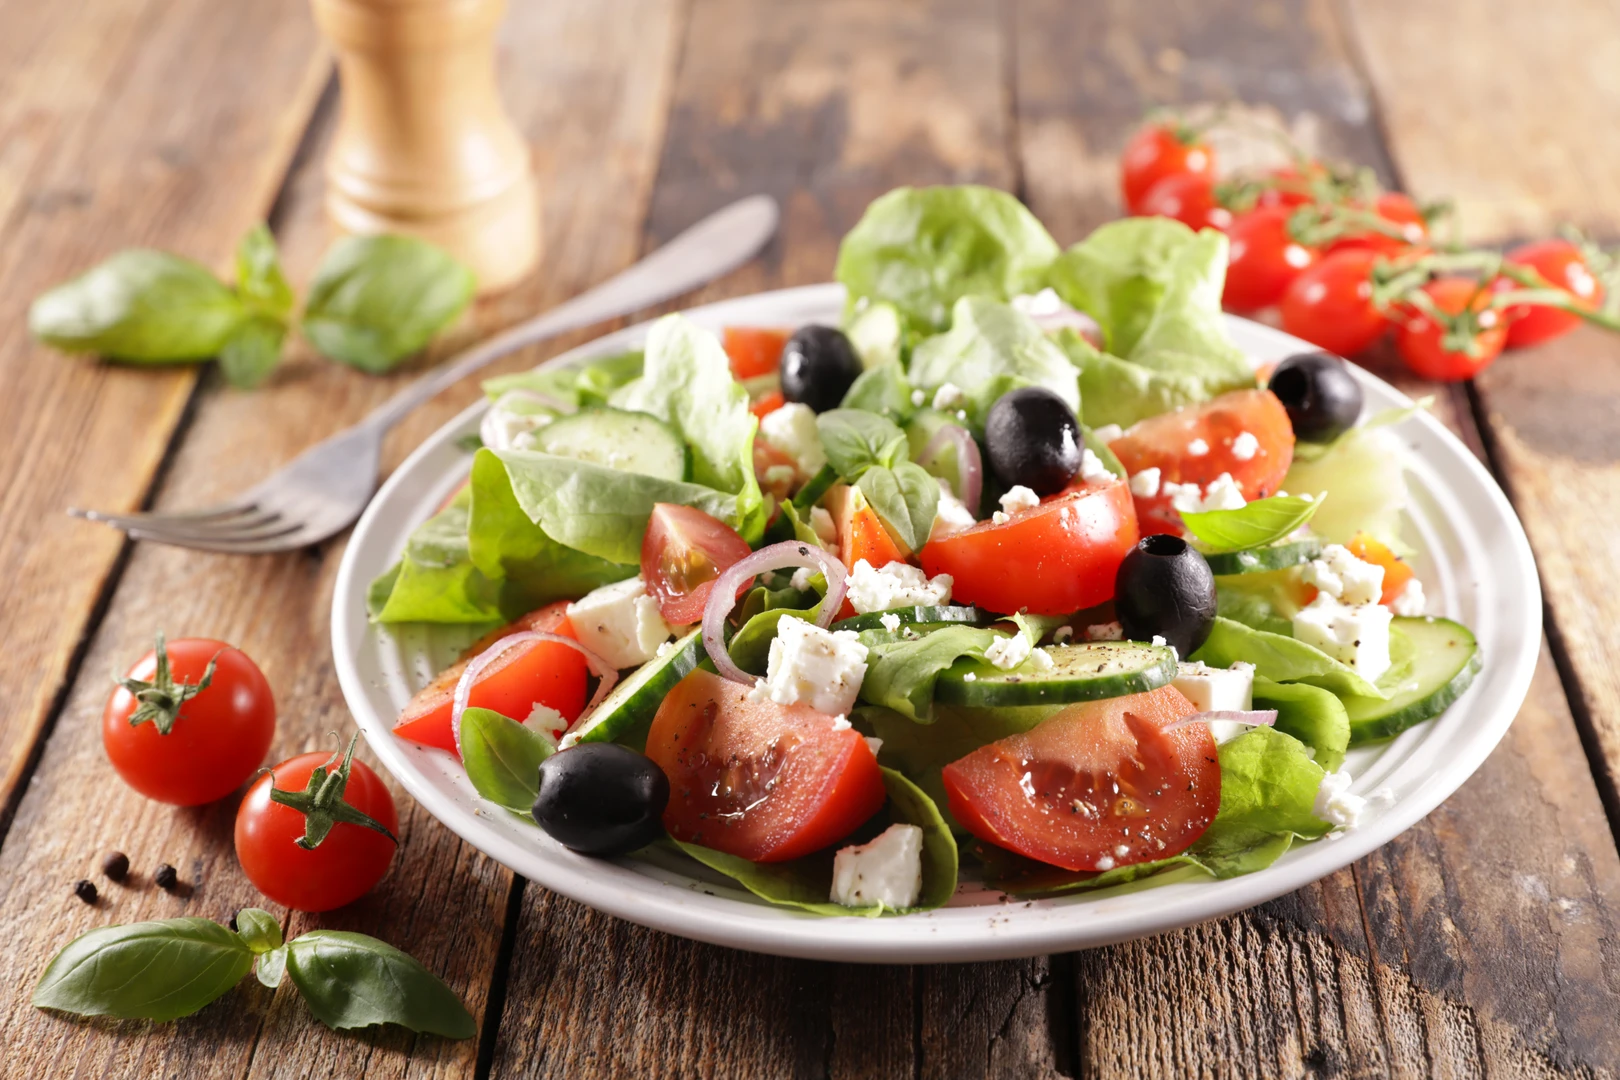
(754, 350)
(1166, 442)
(682, 553)
(768, 404)
(526, 675)
(1098, 785)
(1397, 571)
(861, 533)
(756, 779)
(1055, 558)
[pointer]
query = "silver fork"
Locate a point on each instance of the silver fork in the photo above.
(321, 491)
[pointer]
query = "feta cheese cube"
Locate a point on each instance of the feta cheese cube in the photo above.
(801, 578)
(1019, 498)
(513, 419)
(1108, 631)
(886, 871)
(1354, 635)
(1345, 577)
(1009, 651)
(1145, 484)
(1062, 634)
(952, 516)
(1092, 467)
(620, 623)
(1410, 601)
(948, 397)
(820, 668)
(1212, 689)
(897, 585)
(1197, 448)
(1245, 446)
(792, 430)
(1335, 804)
(1108, 432)
(874, 744)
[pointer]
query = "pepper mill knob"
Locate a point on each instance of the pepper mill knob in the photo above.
(423, 146)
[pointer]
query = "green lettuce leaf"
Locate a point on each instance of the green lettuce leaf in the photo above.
(1366, 483)
(573, 386)
(1314, 716)
(1267, 600)
(992, 348)
(900, 674)
(884, 390)
(1115, 391)
(435, 580)
(923, 249)
(1281, 659)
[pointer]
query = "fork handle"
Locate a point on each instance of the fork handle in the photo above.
(714, 246)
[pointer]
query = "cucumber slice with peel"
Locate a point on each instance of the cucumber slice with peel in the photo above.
(633, 442)
(912, 616)
(1258, 560)
(1086, 672)
(1436, 664)
(626, 713)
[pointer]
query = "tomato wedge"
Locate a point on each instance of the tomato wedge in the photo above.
(683, 552)
(1167, 442)
(767, 404)
(535, 673)
(1099, 785)
(755, 779)
(754, 350)
(1056, 558)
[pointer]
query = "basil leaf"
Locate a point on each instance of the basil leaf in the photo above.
(142, 306)
(377, 299)
(906, 498)
(1262, 522)
(144, 971)
(882, 390)
(750, 647)
(503, 758)
(272, 967)
(856, 440)
(349, 980)
(259, 279)
(258, 929)
(252, 351)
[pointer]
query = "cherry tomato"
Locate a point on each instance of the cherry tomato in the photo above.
(1189, 198)
(1058, 557)
(1291, 186)
(754, 350)
(526, 675)
(1397, 571)
(1095, 786)
(768, 404)
(1167, 442)
(344, 865)
(1420, 340)
(1563, 267)
(682, 553)
(1330, 304)
(1399, 210)
(215, 736)
(1158, 151)
(1263, 259)
(756, 779)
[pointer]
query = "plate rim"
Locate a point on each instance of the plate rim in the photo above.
(1022, 928)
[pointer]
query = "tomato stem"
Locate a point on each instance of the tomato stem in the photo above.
(161, 698)
(321, 802)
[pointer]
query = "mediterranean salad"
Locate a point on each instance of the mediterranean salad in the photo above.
(1022, 565)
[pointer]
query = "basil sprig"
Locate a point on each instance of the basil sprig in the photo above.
(171, 968)
(503, 758)
(1262, 522)
(873, 453)
(374, 301)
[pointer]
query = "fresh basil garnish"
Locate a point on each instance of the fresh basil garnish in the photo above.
(350, 980)
(258, 929)
(905, 497)
(503, 758)
(252, 351)
(1262, 522)
(377, 299)
(259, 280)
(856, 440)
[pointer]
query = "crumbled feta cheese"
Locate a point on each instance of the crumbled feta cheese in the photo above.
(801, 578)
(821, 668)
(1145, 484)
(547, 721)
(821, 523)
(1245, 446)
(897, 585)
(513, 419)
(891, 622)
(1212, 689)
(918, 399)
(874, 744)
(841, 723)
(1358, 635)
(1197, 448)
(1345, 577)
(1105, 863)
(1062, 634)
(1410, 601)
(970, 677)
(1108, 432)
(952, 516)
(1000, 517)
(1045, 302)
(779, 477)
(887, 871)
(666, 648)
(1042, 660)
(1108, 631)
(1335, 804)
(1019, 498)
(948, 397)
(1162, 642)
(1222, 494)
(792, 430)
(1092, 467)
(1009, 651)
(620, 623)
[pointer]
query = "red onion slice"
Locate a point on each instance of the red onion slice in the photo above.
(969, 464)
(1252, 717)
(789, 553)
(606, 675)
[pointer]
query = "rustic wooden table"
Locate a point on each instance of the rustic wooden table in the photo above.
(1484, 942)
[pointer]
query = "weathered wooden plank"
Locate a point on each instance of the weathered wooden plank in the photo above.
(579, 80)
(121, 124)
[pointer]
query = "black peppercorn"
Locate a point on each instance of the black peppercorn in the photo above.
(86, 891)
(166, 877)
(116, 866)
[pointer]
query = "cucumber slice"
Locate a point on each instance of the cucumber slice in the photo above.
(912, 616)
(1258, 560)
(1441, 659)
(626, 713)
(1098, 669)
(632, 442)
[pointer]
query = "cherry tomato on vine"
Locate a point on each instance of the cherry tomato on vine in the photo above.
(1398, 210)
(190, 722)
(1189, 198)
(1291, 186)
(1330, 304)
(317, 832)
(1421, 341)
(1263, 259)
(1158, 151)
(1562, 265)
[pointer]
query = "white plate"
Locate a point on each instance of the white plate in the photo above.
(1475, 564)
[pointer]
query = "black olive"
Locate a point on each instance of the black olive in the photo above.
(1322, 398)
(601, 799)
(1033, 439)
(818, 367)
(1164, 589)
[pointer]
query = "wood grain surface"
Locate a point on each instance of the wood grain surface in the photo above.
(1482, 942)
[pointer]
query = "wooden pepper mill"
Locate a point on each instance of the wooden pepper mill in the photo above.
(423, 145)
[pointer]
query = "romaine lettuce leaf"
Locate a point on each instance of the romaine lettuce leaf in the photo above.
(1281, 659)
(573, 386)
(1314, 716)
(435, 579)
(1115, 391)
(992, 348)
(923, 249)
